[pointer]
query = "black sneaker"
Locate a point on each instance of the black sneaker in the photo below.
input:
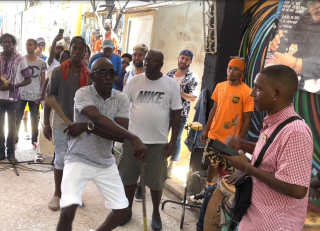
(138, 194)
(198, 198)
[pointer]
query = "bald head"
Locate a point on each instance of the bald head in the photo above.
(156, 55)
(284, 77)
(101, 63)
(152, 64)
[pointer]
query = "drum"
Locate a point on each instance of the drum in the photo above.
(227, 189)
(215, 215)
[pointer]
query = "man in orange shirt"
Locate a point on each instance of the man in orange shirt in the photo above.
(111, 35)
(96, 42)
(233, 105)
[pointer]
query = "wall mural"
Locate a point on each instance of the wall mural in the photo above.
(262, 25)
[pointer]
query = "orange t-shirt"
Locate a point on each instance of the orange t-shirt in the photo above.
(97, 45)
(115, 40)
(229, 109)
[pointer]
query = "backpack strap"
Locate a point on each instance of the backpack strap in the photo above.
(270, 140)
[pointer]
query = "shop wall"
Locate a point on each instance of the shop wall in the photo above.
(177, 28)
(126, 23)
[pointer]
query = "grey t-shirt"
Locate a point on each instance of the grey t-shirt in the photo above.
(92, 149)
(32, 91)
(64, 91)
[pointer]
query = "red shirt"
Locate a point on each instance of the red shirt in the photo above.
(290, 158)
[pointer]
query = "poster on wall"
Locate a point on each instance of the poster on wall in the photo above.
(297, 42)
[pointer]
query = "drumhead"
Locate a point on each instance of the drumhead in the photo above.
(227, 189)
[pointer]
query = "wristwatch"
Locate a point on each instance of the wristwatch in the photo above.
(90, 128)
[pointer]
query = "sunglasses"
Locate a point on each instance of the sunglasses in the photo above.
(104, 73)
(41, 45)
(124, 62)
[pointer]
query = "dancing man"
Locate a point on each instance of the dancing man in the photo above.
(101, 117)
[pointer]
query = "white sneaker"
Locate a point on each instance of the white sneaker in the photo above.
(198, 198)
(26, 135)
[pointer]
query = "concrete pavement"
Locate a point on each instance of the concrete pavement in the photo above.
(24, 198)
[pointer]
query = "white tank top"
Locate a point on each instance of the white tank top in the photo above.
(131, 75)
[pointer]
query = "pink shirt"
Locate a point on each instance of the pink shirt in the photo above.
(290, 158)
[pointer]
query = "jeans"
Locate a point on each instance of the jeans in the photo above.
(176, 154)
(34, 110)
(61, 147)
(7, 107)
(204, 205)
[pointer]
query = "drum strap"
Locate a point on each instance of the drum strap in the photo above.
(272, 137)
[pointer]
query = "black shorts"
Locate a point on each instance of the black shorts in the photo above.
(211, 157)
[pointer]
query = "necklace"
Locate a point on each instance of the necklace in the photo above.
(233, 92)
(74, 71)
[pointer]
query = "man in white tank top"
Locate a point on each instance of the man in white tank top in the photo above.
(139, 52)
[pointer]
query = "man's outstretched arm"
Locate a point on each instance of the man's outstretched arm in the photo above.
(110, 127)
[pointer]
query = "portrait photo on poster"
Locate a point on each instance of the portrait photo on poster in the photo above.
(296, 42)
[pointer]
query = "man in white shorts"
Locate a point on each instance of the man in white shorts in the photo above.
(90, 158)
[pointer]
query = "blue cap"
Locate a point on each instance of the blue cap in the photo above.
(187, 53)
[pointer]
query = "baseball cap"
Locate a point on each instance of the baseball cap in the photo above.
(61, 44)
(141, 47)
(78, 39)
(96, 31)
(107, 43)
(40, 40)
(187, 53)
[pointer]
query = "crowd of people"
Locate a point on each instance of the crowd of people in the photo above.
(138, 108)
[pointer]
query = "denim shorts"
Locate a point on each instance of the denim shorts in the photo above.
(61, 147)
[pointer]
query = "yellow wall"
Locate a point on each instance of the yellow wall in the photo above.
(78, 19)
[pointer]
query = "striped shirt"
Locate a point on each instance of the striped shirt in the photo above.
(290, 158)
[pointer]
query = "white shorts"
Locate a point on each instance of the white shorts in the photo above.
(76, 176)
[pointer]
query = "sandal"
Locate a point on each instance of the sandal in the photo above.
(39, 158)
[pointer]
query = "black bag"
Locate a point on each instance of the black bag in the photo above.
(242, 198)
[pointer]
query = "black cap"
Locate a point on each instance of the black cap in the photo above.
(78, 39)
(187, 53)
(127, 55)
